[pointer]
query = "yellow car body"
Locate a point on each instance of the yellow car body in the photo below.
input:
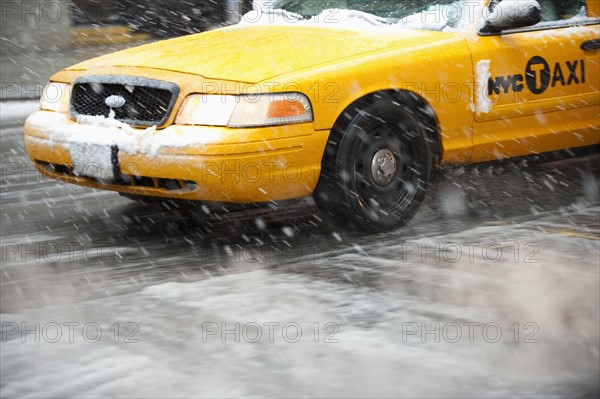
(335, 68)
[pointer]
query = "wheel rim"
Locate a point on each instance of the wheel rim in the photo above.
(387, 170)
(383, 167)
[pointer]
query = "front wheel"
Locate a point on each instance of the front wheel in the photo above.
(376, 165)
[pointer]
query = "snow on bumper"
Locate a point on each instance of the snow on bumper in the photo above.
(188, 162)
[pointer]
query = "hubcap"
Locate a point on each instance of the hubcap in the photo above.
(383, 167)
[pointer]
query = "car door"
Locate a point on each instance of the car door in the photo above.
(542, 84)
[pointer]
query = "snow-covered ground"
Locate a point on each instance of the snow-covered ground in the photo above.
(492, 291)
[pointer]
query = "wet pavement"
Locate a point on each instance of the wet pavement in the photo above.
(491, 291)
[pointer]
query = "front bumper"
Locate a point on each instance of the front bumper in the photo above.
(188, 162)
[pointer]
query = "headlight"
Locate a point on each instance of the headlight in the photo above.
(56, 97)
(245, 110)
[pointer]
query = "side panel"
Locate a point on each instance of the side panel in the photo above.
(443, 78)
(542, 93)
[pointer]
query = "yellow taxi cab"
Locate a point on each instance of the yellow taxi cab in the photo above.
(353, 102)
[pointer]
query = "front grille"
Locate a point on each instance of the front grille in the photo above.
(147, 102)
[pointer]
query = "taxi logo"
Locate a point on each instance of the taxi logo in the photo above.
(539, 75)
(114, 101)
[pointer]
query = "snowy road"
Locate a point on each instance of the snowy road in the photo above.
(492, 291)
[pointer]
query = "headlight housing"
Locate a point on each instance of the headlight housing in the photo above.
(269, 109)
(56, 97)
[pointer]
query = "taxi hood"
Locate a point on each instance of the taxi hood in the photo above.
(254, 54)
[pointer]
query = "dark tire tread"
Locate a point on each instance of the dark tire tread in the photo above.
(334, 193)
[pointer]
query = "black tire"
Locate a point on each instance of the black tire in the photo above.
(377, 163)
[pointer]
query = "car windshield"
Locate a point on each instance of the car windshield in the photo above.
(392, 10)
(416, 14)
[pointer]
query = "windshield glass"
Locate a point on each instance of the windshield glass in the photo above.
(392, 10)
(413, 14)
